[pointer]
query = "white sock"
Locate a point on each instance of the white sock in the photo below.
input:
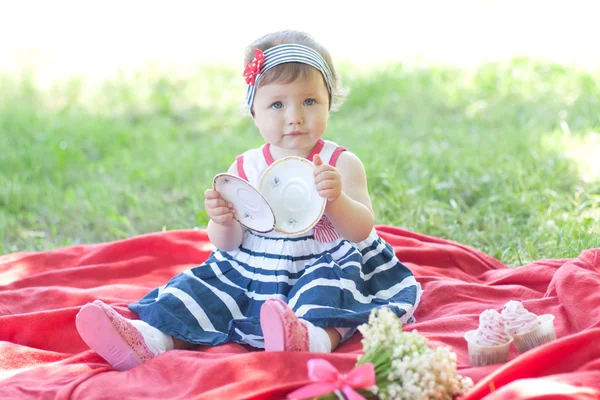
(318, 339)
(157, 341)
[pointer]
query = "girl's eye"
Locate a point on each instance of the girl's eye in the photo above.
(277, 105)
(309, 102)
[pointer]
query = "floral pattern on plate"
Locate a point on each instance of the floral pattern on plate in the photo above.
(288, 186)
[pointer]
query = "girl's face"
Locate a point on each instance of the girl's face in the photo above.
(293, 116)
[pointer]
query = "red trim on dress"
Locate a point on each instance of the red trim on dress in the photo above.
(316, 150)
(240, 167)
(334, 156)
(267, 153)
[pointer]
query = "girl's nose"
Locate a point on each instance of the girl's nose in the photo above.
(295, 116)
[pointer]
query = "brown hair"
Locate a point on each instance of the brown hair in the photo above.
(289, 72)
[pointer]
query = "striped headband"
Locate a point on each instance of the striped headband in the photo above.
(285, 53)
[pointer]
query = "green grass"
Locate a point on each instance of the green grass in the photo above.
(502, 158)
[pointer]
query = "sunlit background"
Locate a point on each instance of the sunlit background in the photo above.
(95, 38)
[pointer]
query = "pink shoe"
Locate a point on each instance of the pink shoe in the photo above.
(282, 330)
(112, 336)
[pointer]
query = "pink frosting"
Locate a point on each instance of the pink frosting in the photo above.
(491, 331)
(517, 319)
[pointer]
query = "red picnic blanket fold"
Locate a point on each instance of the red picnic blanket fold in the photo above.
(42, 356)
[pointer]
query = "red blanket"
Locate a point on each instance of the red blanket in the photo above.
(41, 355)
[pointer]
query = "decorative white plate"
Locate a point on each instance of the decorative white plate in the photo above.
(289, 187)
(251, 209)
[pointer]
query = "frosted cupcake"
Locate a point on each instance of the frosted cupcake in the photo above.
(527, 329)
(490, 342)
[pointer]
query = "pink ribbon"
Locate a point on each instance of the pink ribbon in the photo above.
(328, 379)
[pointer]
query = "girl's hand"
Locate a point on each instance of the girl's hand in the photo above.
(218, 210)
(327, 179)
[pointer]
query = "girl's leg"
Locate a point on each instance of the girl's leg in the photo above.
(334, 337)
(179, 344)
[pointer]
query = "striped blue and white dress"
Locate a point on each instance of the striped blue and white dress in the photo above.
(324, 278)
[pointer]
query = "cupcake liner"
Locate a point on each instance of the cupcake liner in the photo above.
(542, 334)
(486, 355)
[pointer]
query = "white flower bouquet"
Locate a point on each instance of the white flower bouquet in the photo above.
(405, 366)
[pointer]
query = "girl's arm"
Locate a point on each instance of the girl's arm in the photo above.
(349, 207)
(226, 236)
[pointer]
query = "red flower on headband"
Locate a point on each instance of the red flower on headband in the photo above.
(253, 67)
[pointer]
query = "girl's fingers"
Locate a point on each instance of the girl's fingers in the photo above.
(223, 219)
(322, 169)
(220, 211)
(325, 175)
(327, 184)
(328, 194)
(214, 203)
(211, 194)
